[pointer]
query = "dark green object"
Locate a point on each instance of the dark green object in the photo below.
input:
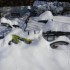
(16, 39)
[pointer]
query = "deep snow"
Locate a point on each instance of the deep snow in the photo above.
(35, 56)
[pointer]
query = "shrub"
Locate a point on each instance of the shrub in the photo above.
(16, 39)
(28, 41)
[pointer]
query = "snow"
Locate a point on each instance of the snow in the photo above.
(33, 25)
(62, 38)
(62, 19)
(35, 56)
(47, 16)
(10, 22)
(58, 24)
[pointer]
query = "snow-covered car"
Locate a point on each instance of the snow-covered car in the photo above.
(9, 23)
(44, 17)
(61, 40)
(57, 38)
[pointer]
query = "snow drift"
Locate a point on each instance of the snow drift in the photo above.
(35, 56)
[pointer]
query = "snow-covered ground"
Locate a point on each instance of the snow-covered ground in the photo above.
(35, 56)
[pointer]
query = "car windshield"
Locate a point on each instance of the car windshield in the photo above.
(52, 35)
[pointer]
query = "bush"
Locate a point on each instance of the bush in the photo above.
(16, 39)
(28, 41)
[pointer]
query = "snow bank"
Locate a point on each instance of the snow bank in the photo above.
(36, 56)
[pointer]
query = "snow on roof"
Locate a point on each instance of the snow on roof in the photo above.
(56, 26)
(62, 19)
(10, 22)
(47, 15)
(3, 20)
(33, 25)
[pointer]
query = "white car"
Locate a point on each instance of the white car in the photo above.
(7, 22)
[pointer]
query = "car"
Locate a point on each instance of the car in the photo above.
(57, 38)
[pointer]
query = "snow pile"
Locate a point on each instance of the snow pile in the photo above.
(34, 25)
(35, 56)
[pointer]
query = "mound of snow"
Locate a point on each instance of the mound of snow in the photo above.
(21, 33)
(8, 37)
(10, 22)
(47, 15)
(57, 26)
(3, 20)
(34, 25)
